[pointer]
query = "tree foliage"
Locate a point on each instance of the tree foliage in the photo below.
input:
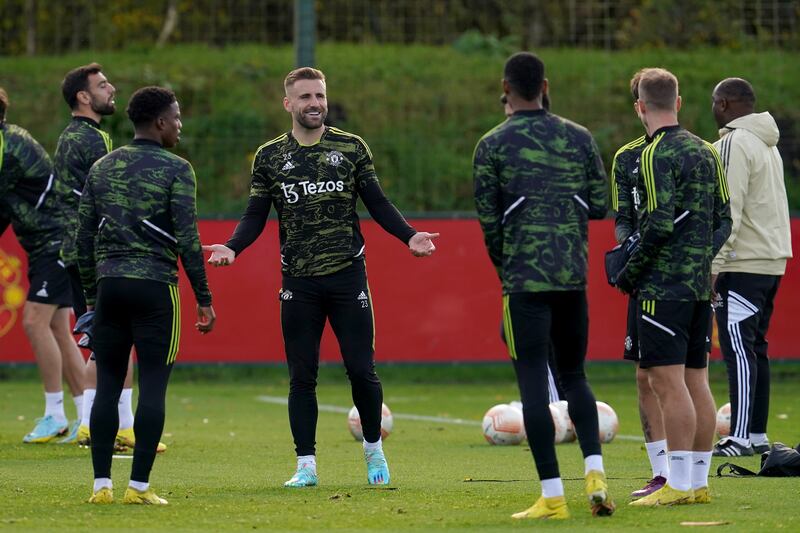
(73, 25)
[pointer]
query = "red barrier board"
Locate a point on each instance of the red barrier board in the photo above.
(442, 308)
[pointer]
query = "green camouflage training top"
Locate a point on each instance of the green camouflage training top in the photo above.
(538, 180)
(81, 144)
(137, 215)
(626, 199)
(686, 221)
(314, 190)
(27, 199)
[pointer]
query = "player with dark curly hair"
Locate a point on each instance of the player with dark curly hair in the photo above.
(128, 260)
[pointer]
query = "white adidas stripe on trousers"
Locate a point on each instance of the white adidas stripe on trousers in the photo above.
(551, 386)
(739, 310)
(742, 382)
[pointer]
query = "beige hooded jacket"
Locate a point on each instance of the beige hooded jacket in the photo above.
(760, 240)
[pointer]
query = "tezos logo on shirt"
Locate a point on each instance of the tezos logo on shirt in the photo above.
(292, 192)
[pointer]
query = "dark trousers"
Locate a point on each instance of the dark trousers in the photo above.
(78, 298)
(742, 322)
(343, 298)
(535, 321)
(144, 314)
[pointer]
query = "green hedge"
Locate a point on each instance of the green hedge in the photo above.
(420, 108)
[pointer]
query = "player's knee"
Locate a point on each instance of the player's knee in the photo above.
(60, 329)
(150, 413)
(361, 374)
(571, 379)
(663, 385)
(302, 384)
(643, 383)
(33, 321)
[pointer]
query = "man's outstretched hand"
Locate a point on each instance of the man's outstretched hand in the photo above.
(221, 255)
(421, 244)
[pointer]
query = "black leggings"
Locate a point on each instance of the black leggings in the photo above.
(145, 314)
(344, 299)
(536, 321)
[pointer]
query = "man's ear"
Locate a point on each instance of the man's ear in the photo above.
(678, 103)
(545, 86)
(506, 87)
(286, 103)
(83, 97)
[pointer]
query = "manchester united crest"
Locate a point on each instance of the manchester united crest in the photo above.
(334, 158)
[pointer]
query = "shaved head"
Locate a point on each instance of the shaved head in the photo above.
(736, 89)
(732, 98)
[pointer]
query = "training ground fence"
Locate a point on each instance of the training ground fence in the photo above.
(54, 27)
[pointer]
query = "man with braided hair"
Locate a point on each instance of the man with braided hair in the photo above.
(538, 180)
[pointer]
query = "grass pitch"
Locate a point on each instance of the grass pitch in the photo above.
(230, 452)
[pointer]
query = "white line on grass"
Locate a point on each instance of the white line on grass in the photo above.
(280, 400)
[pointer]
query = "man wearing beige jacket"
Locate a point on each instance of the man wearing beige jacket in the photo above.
(748, 269)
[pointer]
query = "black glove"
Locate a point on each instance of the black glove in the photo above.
(624, 284)
(617, 258)
(85, 325)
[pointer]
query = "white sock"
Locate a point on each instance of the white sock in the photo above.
(552, 487)
(371, 446)
(701, 463)
(78, 406)
(54, 405)
(88, 401)
(759, 438)
(101, 483)
(680, 470)
(657, 453)
(141, 486)
(743, 442)
(307, 461)
(125, 409)
(593, 462)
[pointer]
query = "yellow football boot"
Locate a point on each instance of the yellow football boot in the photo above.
(702, 495)
(597, 492)
(546, 508)
(126, 439)
(147, 497)
(84, 440)
(666, 495)
(104, 495)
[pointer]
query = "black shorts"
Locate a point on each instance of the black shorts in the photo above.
(631, 349)
(49, 282)
(673, 333)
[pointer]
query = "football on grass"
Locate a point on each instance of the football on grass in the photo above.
(607, 421)
(724, 421)
(354, 423)
(503, 425)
